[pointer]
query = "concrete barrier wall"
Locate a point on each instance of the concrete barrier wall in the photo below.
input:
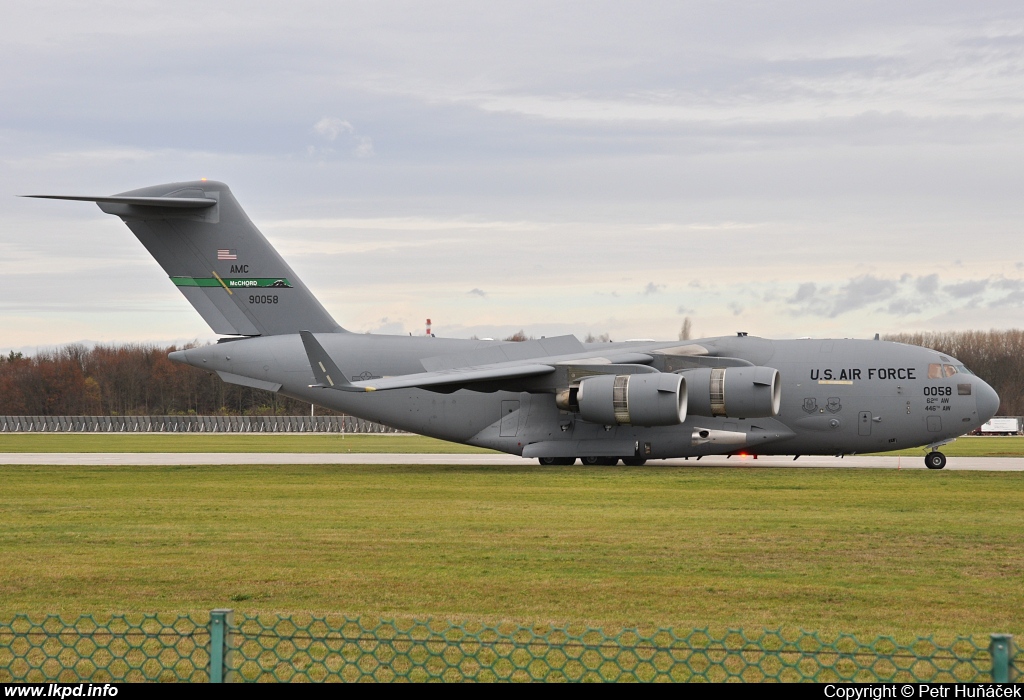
(190, 424)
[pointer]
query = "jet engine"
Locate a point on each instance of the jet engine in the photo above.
(635, 399)
(737, 392)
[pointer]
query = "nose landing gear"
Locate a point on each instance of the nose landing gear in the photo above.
(935, 460)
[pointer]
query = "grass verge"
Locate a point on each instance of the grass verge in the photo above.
(331, 442)
(229, 442)
(861, 551)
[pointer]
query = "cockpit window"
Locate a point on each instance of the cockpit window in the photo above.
(937, 371)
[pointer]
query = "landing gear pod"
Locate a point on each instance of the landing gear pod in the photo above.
(634, 399)
(737, 392)
(704, 436)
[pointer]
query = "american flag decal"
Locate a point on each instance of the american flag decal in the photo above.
(226, 254)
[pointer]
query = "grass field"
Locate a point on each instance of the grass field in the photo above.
(178, 442)
(862, 551)
(184, 442)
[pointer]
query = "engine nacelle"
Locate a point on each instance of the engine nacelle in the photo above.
(737, 392)
(635, 399)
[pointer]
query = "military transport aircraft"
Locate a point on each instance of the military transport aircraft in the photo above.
(553, 399)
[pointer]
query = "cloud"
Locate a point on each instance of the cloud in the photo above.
(855, 294)
(332, 127)
(804, 293)
(861, 291)
(927, 284)
(1011, 299)
(962, 290)
(752, 150)
(904, 296)
(1004, 283)
(903, 307)
(653, 288)
(735, 308)
(384, 326)
(364, 147)
(477, 292)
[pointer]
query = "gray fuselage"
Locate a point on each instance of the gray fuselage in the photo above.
(838, 396)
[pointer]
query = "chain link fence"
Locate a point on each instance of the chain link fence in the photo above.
(190, 424)
(223, 646)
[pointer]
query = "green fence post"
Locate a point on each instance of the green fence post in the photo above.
(220, 620)
(999, 648)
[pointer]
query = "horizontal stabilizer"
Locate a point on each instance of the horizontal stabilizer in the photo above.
(169, 202)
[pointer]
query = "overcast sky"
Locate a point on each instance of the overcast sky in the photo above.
(786, 169)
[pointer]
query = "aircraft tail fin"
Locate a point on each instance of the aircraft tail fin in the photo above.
(217, 258)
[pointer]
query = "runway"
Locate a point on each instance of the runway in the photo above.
(995, 464)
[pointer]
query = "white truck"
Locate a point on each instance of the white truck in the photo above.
(1001, 425)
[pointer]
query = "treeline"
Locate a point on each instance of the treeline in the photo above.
(995, 356)
(110, 380)
(113, 380)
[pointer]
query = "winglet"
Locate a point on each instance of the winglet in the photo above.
(326, 372)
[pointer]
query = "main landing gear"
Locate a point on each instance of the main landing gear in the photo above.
(935, 460)
(591, 461)
(599, 461)
(556, 461)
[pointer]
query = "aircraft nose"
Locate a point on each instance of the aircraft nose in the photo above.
(988, 401)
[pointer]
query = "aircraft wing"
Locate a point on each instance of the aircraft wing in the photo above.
(329, 376)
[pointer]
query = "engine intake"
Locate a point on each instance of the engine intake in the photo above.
(737, 392)
(634, 399)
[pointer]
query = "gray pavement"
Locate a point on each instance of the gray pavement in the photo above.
(229, 458)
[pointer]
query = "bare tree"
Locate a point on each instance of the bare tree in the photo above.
(684, 332)
(995, 356)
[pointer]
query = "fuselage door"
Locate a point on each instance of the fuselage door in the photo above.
(509, 418)
(864, 423)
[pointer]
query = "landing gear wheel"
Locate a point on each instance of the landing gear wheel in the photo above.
(935, 460)
(556, 461)
(609, 461)
(634, 461)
